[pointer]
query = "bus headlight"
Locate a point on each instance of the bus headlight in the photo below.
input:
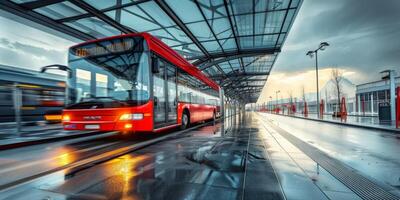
(130, 116)
(65, 118)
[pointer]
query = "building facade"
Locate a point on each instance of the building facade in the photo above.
(370, 95)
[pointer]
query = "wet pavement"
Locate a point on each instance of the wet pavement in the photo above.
(35, 132)
(246, 157)
(375, 154)
(22, 162)
(207, 163)
(368, 121)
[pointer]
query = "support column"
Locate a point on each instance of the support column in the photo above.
(372, 103)
(358, 97)
(222, 103)
(17, 101)
(392, 97)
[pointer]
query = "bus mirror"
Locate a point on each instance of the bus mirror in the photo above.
(154, 66)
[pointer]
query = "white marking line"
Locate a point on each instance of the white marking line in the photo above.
(52, 159)
(94, 159)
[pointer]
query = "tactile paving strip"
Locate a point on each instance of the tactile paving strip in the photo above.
(362, 186)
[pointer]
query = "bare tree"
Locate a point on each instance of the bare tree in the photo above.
(337, 77)
(290, 94)
(303, 93)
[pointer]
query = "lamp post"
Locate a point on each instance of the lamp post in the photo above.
(276, 95)
(321, 47)
(270, 103)
(62, 68)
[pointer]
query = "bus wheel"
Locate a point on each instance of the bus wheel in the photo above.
(185, 120)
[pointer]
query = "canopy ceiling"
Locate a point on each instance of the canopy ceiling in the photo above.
(235, 42)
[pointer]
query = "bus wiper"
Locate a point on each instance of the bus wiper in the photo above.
(111, 98)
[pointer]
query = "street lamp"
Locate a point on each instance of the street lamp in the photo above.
(270, 103)
(276, 95)
(322, 47)
(62, 68)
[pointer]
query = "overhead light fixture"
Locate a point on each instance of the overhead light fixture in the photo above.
(323, 45)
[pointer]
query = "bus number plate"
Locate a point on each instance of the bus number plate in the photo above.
(92, 126)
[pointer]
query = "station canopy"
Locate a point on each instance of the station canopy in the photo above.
(234, 42)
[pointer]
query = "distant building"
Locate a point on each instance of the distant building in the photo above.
(370, 95)
(362, 99)
(329, 94)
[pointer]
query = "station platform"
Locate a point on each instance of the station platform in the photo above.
(351, 120)
(248, 156)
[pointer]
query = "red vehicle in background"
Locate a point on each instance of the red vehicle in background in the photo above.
(135, 82)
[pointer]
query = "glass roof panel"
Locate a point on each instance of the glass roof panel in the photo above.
(228, 44)
(274, 22)
(295, 3)
(241, 7)
(155, 12)
(289, 19)
(277, 4)
(94, 26)
(244, 24)
(188, 50)
(221, 27)
(211, 46)
(213, 9)
(261, 41)
(133, 17)
(212, 71)
(148, 17)
(281, 38)
(60, 10)
(22, 1)
(101, 4)
(235, 64)
(187, 11)
(144, 17)
(225, 66)
(201, 31)
(104, 4)
(258, 77)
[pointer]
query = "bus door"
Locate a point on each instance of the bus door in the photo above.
(159, 93)
(165, 94)
(172, 104)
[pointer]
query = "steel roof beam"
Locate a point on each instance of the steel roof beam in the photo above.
(241, 75)
(90, 9)
(238, 87)
(222, 57)
(42, 20)
(208, 24)
(181, 25)
(116, 7)
(283, 23)
(39, 3)
(230, 22)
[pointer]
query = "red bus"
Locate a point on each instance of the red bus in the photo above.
(135, 82)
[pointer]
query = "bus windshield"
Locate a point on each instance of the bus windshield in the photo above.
(109, 73)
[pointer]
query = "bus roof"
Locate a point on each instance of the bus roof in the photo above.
(164, 50)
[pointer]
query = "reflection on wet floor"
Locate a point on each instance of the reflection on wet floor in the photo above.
(210, 163)
(242, 158)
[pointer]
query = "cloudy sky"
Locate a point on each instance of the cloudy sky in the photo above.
(363, 36)
(27, 47)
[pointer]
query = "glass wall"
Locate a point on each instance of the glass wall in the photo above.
(369, 101)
